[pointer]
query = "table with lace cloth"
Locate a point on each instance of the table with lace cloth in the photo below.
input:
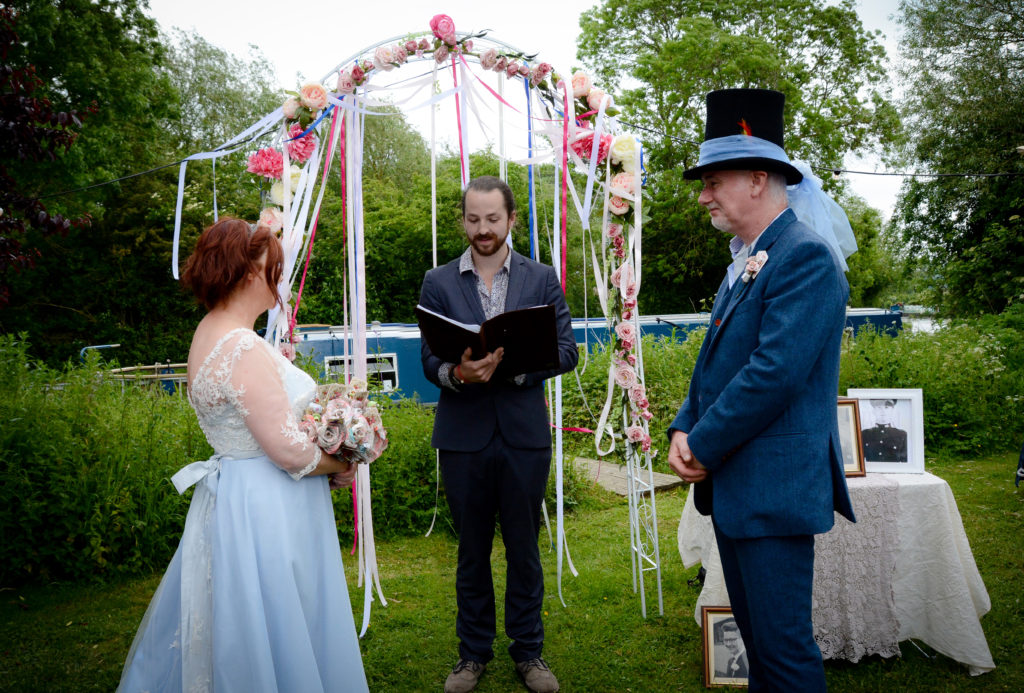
(904, 570)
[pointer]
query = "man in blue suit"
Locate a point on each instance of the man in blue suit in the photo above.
(493, 437)
(758, 434)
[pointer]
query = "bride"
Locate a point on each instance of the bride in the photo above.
(255, 597)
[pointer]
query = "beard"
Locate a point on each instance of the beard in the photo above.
(488, 244)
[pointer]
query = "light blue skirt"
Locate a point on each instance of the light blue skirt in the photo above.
(255, 597)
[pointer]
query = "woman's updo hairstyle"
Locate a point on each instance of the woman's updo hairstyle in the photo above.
(225, 253)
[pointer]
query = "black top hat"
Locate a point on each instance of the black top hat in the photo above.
(753, 112)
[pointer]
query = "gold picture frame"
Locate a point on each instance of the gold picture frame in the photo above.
(849, 436)
(725, 657)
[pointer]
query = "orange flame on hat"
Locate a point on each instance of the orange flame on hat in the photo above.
(745, 128)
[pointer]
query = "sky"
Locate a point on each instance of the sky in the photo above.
(309, 40)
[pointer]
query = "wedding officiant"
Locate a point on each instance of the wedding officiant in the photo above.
(492, 433)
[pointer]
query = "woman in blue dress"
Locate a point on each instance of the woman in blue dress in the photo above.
(255, 597)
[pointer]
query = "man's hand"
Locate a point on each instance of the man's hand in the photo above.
(683, 461)
(479, 371)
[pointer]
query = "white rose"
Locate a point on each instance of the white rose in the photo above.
(623, 152)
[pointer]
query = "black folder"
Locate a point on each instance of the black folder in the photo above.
(529, 335)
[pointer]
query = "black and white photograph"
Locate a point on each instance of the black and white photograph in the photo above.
(725, 657)
(891, 429)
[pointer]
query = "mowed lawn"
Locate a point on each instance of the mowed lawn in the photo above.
(73, 637)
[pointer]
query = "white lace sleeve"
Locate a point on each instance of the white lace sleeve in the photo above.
(263, 403)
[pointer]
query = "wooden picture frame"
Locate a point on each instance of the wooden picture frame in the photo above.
(725, 662)
(848, 412)
(892, 429)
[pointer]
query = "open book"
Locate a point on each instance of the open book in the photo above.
(529, 335)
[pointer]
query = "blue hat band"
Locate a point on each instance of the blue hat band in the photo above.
(739, 147)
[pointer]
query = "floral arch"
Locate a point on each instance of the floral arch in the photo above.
(568, 122)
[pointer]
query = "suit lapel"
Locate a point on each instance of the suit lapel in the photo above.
(516, 280)
(467, 282)
(740, 287)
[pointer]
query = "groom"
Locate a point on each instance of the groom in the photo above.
(758, 435)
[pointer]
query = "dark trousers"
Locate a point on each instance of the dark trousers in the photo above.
(507, 483)
(770, 582)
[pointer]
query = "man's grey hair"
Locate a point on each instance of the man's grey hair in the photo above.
(777, 185)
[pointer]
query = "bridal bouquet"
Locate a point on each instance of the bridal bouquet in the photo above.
(343, 421)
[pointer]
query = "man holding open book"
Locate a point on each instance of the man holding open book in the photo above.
(491, 427)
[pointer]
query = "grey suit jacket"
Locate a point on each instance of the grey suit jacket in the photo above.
(466, 420)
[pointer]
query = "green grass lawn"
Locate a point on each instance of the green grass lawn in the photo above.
(68, 637)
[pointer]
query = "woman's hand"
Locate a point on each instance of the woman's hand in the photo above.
(343, 478)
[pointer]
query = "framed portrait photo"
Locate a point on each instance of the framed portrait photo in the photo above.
(849, 436)
(725, 657)
(891, 429)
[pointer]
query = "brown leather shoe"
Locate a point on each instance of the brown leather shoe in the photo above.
(464, 676)
(537, 676)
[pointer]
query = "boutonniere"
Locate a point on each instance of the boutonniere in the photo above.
(754, 265)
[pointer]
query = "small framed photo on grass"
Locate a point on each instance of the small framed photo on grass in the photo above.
(849, 436)
(891, 429)
(725, 657)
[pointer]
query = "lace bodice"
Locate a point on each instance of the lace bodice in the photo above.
(248, 399)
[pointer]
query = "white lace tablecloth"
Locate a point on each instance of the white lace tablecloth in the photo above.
(904, 570)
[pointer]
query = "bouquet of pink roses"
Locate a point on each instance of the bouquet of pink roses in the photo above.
(343, 421)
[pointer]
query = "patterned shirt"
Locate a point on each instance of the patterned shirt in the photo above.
(492, 300)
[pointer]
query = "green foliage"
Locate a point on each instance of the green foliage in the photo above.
(969, 374)
(964, 64)
(85, 465)
(818, 54)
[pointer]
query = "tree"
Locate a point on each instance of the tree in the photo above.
(34, 132)
(964, 66)
(831, 70)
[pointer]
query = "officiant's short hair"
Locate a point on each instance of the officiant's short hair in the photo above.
(487, 184)
(225, 253)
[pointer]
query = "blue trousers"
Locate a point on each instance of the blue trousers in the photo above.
(508, 484)
(770, 582)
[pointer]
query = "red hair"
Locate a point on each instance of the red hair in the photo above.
(225, 253)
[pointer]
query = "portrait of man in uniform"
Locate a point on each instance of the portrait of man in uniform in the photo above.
(884, 440)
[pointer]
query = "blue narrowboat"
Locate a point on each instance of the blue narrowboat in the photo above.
(393, 349)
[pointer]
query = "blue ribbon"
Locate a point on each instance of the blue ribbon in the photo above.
(529, 168)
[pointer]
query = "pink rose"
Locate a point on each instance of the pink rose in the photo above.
(623, 184)
(441, 53)
(401, 54)
(617, 206)
(539, 73)
(467, 45)
(501, 64)
(308, 426)
(630, 292)
(581, 84)
(423, 45)
(358, 74)
(313, 96)
(367, 65)
(384, 58)
(512, 69)
(300, 149)
(613, 230)
(646, 445)
(623, 276)
(625, 331)
(524, 70)
(584, 144)
(635, 434)
(631, 359)
(288, 351)
(618, 241)
(267, 162)
(488, 59)
(346, 84)
(620, 253)
(627, 315)
(594, 99)
(647, 415)
(442, 25)
(272, 218)
(636, 393)
(410, 46)
(627, 345)
(629, 305)
(625, 376)
(290, 107)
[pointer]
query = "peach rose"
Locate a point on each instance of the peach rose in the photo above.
(626, 331)
(581, 84)
(623, 184)
(290, 107)
(384, 58)
(625, 376)
(617, 206)
(313, 96)
(272, 218)
(594, 99)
